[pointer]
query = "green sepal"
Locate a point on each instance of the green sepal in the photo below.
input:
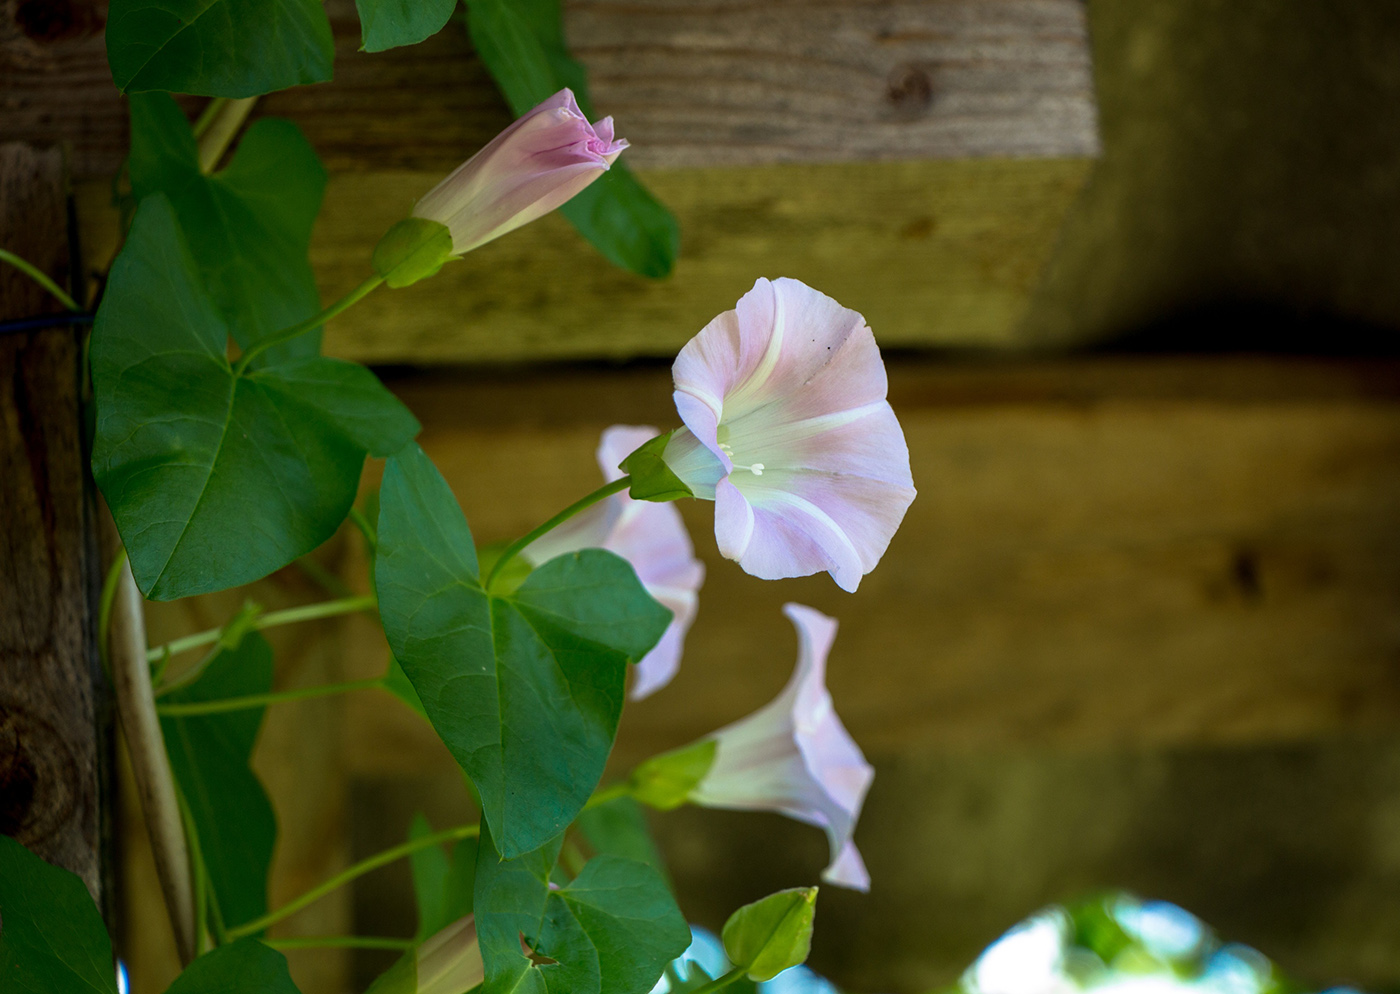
(412, 250)
(665, 781)
(652, 479)
(775, 933)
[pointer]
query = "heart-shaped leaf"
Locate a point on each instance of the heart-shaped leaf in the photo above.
(613, 928)
(391, 23)
(210, 754)
(51, 934)
(525, 688)
(218, 48)
(248, 226)
(217, 478)
(245, 965)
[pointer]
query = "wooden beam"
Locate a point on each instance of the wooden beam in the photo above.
(1104, 553)
(691, 82)
(49, 741)
(935, 253)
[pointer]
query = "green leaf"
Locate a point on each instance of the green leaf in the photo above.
(652, 478)
(397, 683)
(245, 965)
(217, 479)
(248, 226)
(522, 44)
(412, 250)
(619, 828)
(218, 48)
(442, 884)
(51, 934)
(525, 688)
(614, 928)
(773, 934)
(210, 755)
(390, 23)
(665, 781)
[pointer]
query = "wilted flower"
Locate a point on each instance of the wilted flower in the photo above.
(794, 756)
(652, 538)
(529, 169)
(788, 430)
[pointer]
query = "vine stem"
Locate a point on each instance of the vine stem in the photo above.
(720, 983)
(339, 942)
(39, 276)
(308, 612)
(351, 873)
(150, 768)
(261, 700)
(287, 334)
(520, 544)
(217, 127)
(607, 794)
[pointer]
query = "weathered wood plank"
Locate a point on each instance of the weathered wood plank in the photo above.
(938, 253)
(692, 82)
(49, 764)
(1092, 561)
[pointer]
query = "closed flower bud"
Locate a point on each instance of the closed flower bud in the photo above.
(529, 169)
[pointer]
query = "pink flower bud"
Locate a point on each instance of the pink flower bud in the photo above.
(529, 169)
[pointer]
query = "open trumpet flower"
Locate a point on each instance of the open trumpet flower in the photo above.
(795, 757)
(788, 430)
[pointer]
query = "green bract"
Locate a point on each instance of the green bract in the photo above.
(522, 44)
(613, 929)
(412, 250)
(391, 23)
(209, 754)
(652, 479)
(218, 48)
(51, 934)
(248, 226)
(769, 936)
(665, 782)
(525, 689)
(216, 478)
(245, 965)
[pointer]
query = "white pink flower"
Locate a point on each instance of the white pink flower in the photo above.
(788, 430)
(535, 165)
(795, 757)
(652, 538)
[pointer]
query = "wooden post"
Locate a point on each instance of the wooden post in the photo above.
(50, 755)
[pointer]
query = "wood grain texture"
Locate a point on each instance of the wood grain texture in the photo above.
(691, 82)
(938, 253)
(49, 766)
(1098, 558)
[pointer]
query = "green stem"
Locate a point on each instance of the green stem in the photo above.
(104, 611)
(261, 700)
(207, 115)
(357, 517)
(39, 276)
(720, 983)
(340, 942)
(516, 547)
(351, 873)
(607, 794)
(287, 334)
(309, 612)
